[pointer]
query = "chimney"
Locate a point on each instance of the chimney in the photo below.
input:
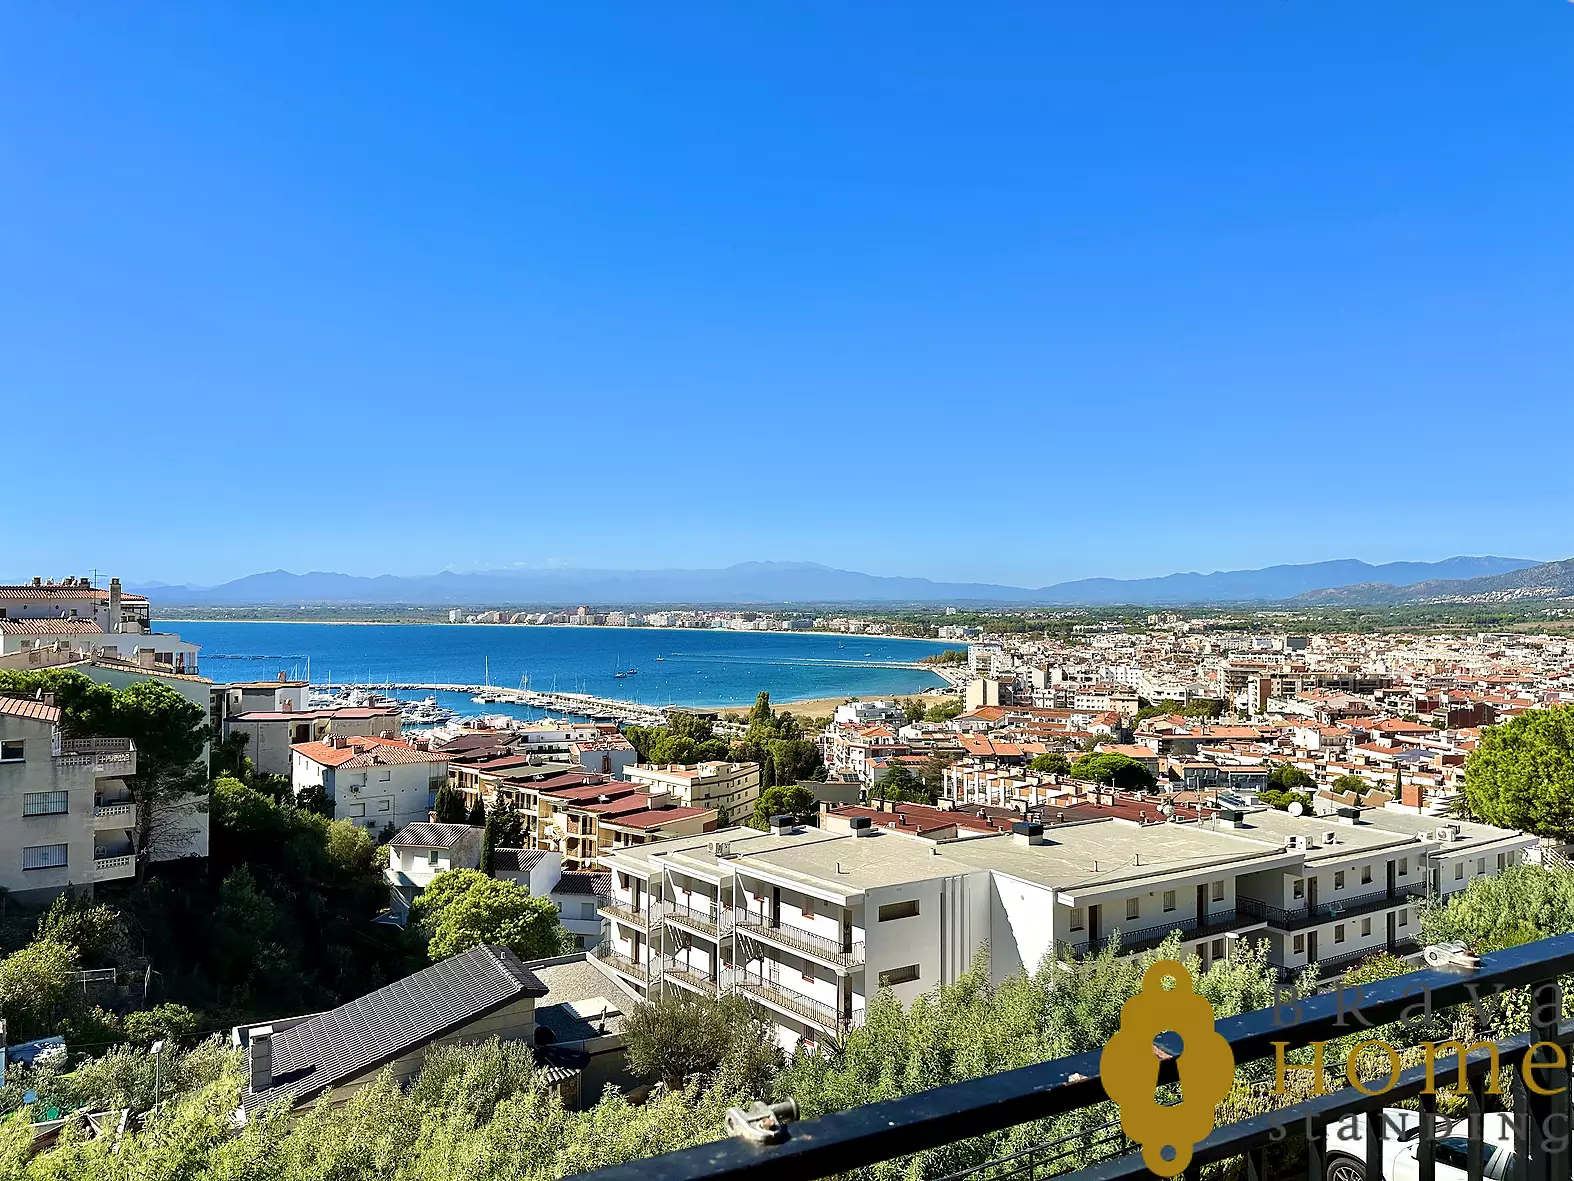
(781, 825)
(259, 1057)
(1027, 832)
(114, 604)
(1349, 815)
(1410, 795)
(282, 677)
(861, 826)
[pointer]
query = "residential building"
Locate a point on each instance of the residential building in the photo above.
(422, 851)
(729, 788)
(577, 895)
(270, 734)
(66, 814)
(371, 782)
(808, 923)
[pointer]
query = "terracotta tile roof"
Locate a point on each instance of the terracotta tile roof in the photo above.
(46, 593)
(49, 627)
(21, 707)
(324, 753)
(659, 816)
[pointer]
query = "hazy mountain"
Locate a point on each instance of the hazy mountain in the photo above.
(1545, 580)
(804, 582)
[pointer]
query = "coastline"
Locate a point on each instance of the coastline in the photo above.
(536, 626)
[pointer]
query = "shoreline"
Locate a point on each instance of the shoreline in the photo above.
(564, 626)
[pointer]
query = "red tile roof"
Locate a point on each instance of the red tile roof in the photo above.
(50, 627)
(21, 707)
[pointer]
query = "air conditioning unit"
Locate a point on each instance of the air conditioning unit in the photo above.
(1295, 842)
(721, 848)
(1330, 836)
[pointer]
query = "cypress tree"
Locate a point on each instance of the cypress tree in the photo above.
(477, 817)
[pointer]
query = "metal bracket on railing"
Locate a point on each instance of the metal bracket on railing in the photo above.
(762, 1124)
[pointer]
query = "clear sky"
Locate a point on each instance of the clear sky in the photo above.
(1008, 292)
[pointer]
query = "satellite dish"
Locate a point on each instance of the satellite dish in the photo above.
(1297, 808)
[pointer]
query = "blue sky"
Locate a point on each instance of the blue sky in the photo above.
(1013, 293)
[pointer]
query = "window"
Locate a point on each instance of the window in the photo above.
(899, 910)
(384, 805)
(44, 857)
(1366, 926)
(1076, 918)
(357, 809)
(11, 751)
(384, 775)
(1339, 933)
(431, 858)
(1300, 945)
(45, 803)
(807, 909)
(1338, 879)
(1404, 918)
(808, 976)
(1218, 949)
(1366, 875)
(1459, 870)
(1299, 889)
(1404, 867)
(899, 976)
(1454, 1152)
(1218, 891)
(1481, 865)
(1133, 907)
(1169, 900)
(1502, 860)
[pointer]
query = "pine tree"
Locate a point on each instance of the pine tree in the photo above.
(477, 817)
(448, 808)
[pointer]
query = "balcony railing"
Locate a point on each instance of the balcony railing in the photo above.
(1354, 905)
(686, 974)
(77, 746)
(795, 938)
(701, 918)
(892, 1130)
(1143, 938)
(641, 918)
(812, 1009)
(115, 865)
(621, 963)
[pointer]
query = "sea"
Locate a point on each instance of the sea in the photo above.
(661, 666)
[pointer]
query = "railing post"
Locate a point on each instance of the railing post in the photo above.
(1425, 1157)
(1544, 1161)
(1474, 1156)
(1374, 1145)
(1257, 1165)
(1314, 1151)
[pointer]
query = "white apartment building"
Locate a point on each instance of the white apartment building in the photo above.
(869, 713)
(576, 894)
(85, 618)
(729, 788)
(66, 815)
(370, 781)
(810, 923)
(419, 853)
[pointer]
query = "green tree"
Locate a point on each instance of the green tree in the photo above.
(1114, 770)
(1285, 777)
(509, 825)
(1521, 774)
(477, 815)
(914, 709)
(449, 806)
(944, 711)
(463, 908)
(1051, 763)
(166, 1021)
(1349, 783)
(785, 799)
(677, 1034)
(72, 919)
(1282, 800)
(488, 845)
(37, 987)
(1523, 903)
(171, 780)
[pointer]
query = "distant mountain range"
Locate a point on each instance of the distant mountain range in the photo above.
(1547, 580)
(807, 582)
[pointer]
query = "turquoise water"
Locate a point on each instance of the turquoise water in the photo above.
(697, 668)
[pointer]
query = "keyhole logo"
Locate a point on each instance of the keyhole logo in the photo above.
(1129, 1068)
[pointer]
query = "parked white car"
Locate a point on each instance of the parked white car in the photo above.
(1344, 1147)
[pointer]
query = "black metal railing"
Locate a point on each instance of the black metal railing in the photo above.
(801, 939)
(897, 1128)
(1143, 938)
(1344, 906)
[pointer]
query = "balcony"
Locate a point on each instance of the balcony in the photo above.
(1219, 922)
(621, 964)
(701, 919)
(638, 918)
(109, 817)
(1350, 906)
(804, 942)
(106, 756)
(799, 1004)
(688, 976)
(886, 1134)
(114, 866)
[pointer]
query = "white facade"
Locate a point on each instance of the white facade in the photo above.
(371, 782)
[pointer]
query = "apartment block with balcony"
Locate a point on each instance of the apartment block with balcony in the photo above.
(729, 788)
(66, 814)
